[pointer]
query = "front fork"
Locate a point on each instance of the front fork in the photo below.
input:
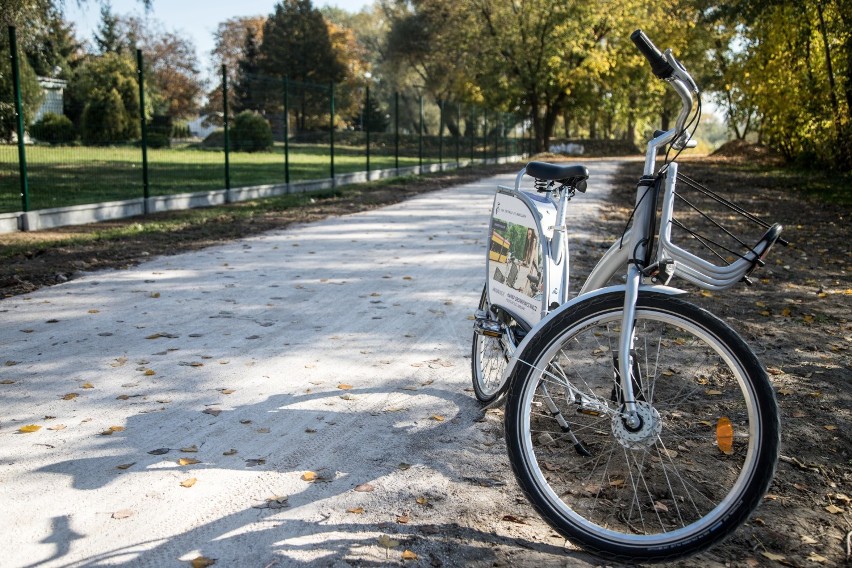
(625, 346)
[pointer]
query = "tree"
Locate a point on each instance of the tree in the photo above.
(31, 94)
(107, 86)
(230, 43)
(111, 36)
(296, 44)
(248, 68)
(172, 73)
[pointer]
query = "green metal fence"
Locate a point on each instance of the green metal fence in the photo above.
(317, 132)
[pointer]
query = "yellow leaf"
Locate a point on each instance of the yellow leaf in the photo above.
(155, 294)
(150, 372)
(830, 427)
(706, 294)
(760, 304)
(94, 311)
(87, 386)
(786, 312)
(808, 318)
(437, 418)
(408, 555)
(309, 476)
(822, 295)
(403, 519)
(187, 461)
(355, 510)
(29, 428)
(344, 386)
(70, 396)
(422, 501)
(725, 435)
(680, 341)
(188, 482)
(834, 509)
(227, 391)
(766, 313)
(203, 562)
(616, 483)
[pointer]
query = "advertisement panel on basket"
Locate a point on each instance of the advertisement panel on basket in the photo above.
(515, 259)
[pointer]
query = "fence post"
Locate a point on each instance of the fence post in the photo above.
(367, 128)
(458, 134)
(19, 111)
(143, 123)
(287, 132)
(331, 125)
(472, 132)
(227, 134)
(441, 137)
(396, 129)
(485, 136)
(420, 137)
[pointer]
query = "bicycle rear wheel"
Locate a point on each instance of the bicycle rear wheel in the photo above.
(690, 474)
(489, 357)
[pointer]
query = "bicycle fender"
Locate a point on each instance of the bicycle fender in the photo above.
(668, 290)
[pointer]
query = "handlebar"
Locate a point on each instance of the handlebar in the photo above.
(659, 65)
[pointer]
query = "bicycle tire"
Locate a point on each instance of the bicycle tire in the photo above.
(488, 360)
(683, 481)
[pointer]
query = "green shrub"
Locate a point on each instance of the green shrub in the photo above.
(158, 140)
(53, 129)
(105, 120)
(215, 140)
(250, 133)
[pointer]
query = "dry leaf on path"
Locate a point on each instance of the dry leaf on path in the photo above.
(87, 386)
(188, 482)
(364, 488)
(159, 451)
(230, 452)
(309, 476)
(408, 555)
(212, 411)
(355, 510)
(190, 449)
(187, 461)
(122, 514)
(70, 396)
(125, 465)
(57, 427)
(202, 562)
(29, 428)
(344, 386)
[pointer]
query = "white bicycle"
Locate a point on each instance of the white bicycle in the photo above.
(640, 426)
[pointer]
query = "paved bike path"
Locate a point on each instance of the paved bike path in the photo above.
(339, 348)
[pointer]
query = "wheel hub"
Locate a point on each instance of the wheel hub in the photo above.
(645, 434)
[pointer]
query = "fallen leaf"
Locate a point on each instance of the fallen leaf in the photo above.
(122, 397)
(830, 427)
(57, 427)
(806, 539)
(814, 557)
(403, 466)
(227, 391)
(355, 510)
(387, 542)
(309, 476)
(255, 462)
(403, 519)
(125, 465)
(834, 509)
(514, 519)
(70, 396)
(202, 562)
(155, 294)
(212, 411)
(408, 555)
(422, 501)
(437, 418)
(112, 430)
(188, 482)
(7, 382)
(364, 488)
(87, 386)
(29, 428)
(230, 452)
(263, 430)
(190, 449)
(187, 461)
(713, 392)
(150, 372)
(661, 507)
(344, 386)
(274, 502)
(123, 514)
(159, 451)
(773, 556)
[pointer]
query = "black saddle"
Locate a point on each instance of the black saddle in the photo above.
(573, 175)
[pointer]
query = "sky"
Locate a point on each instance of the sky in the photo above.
(197, 18)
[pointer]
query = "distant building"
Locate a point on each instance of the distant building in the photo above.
(53, 90)
(204, 125)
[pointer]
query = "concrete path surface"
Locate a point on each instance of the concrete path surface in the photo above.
(183, 406)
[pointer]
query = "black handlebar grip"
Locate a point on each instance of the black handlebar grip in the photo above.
(659, 65)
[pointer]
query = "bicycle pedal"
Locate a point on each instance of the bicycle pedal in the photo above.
(486, 326)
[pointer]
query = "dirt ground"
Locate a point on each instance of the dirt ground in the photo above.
(797, 316)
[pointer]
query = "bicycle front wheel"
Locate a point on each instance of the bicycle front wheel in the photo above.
(693, 470)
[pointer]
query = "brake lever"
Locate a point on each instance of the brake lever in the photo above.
(681, 72)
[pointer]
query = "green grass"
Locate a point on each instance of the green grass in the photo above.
(73, 175)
